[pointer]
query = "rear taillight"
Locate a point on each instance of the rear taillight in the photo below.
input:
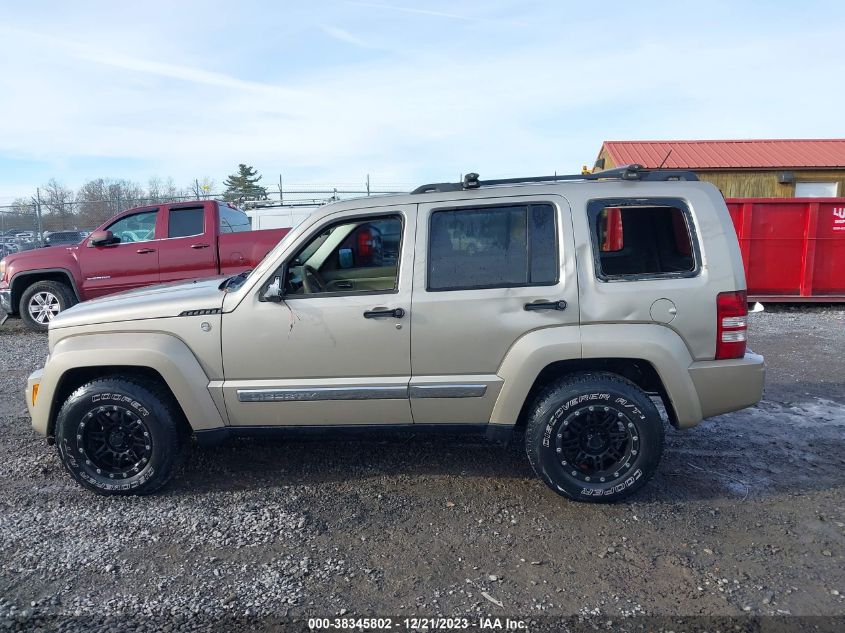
(731, 324)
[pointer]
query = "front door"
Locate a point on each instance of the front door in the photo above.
(487, 274)
(337, 350)
(130, 263)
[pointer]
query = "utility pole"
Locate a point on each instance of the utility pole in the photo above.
(281, 195)
(38, 215)
(368, 184)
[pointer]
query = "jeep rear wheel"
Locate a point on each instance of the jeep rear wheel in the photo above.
(119, 436)
(42, 301)
(594, 437)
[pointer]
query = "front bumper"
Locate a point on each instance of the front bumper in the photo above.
(6, 300)
(36, 402)
(728, 385)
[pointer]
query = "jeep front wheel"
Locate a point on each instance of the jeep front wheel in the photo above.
(119, 436)
(42, 301)
(594, 437)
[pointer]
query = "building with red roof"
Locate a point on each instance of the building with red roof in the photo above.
(775, 168)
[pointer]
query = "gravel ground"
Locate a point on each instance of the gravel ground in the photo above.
(745, 517)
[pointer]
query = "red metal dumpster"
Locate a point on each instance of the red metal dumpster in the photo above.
(793, 248)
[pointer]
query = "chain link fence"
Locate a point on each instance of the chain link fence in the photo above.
(23, 225)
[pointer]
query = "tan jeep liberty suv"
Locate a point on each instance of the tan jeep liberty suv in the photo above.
(560, 308)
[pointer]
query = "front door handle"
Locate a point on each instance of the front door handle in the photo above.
(200, 245)
(396, 313)
(546, 305)
(143, 251)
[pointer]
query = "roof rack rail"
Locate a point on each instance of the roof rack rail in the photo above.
(626, 172)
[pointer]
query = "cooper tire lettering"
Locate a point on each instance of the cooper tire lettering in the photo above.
(136, 441)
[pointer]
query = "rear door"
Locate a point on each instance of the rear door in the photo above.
(131, 263)
(189, 250)
(486, 274)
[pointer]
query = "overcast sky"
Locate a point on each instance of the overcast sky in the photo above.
(328, 91)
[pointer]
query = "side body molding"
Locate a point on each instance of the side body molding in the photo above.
(166, 354)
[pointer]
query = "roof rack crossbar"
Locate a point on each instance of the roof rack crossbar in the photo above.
(626, 172)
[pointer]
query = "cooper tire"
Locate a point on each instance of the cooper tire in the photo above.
(42, 302)
(120, 436)
(594, 437)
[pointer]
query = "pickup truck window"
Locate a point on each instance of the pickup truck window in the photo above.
(233, 220)
(493, 247)
(360, 255)
(138, 227)
(186, 222)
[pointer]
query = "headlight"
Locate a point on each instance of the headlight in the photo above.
(2, 268)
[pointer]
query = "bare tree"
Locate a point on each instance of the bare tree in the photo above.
(20, 214)
(203, 188)
(160, 191)
(102, 198)
(57, 203)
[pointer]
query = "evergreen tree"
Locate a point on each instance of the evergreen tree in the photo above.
(244, 185)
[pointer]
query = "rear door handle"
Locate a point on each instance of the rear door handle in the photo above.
(200, 245)
(546, 305)
(396, 313)
(143, 251)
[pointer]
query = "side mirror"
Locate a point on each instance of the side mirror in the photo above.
(344, 257)
(273, 294)
(102, 238)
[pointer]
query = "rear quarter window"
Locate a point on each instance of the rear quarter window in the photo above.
(233, 220)
(643, 239)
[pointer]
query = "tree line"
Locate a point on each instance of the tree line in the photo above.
(88, 206)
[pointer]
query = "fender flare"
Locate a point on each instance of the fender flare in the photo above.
(526, 358)
(164, 353)
(17, 287)
(659, 345)
(656, 344)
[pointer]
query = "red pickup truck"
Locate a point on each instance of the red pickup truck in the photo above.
(139, 247)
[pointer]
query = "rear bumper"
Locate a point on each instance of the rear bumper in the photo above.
(728, 385)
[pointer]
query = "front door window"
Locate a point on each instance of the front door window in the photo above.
(354, 256)
(138, 227)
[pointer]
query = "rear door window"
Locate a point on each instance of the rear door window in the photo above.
(186, 222)
(493, 247)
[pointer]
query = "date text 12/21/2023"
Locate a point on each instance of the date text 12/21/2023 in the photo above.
(417, 623)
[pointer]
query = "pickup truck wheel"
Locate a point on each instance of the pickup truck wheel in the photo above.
(594, 437)
(119, 436)
(42, 301)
